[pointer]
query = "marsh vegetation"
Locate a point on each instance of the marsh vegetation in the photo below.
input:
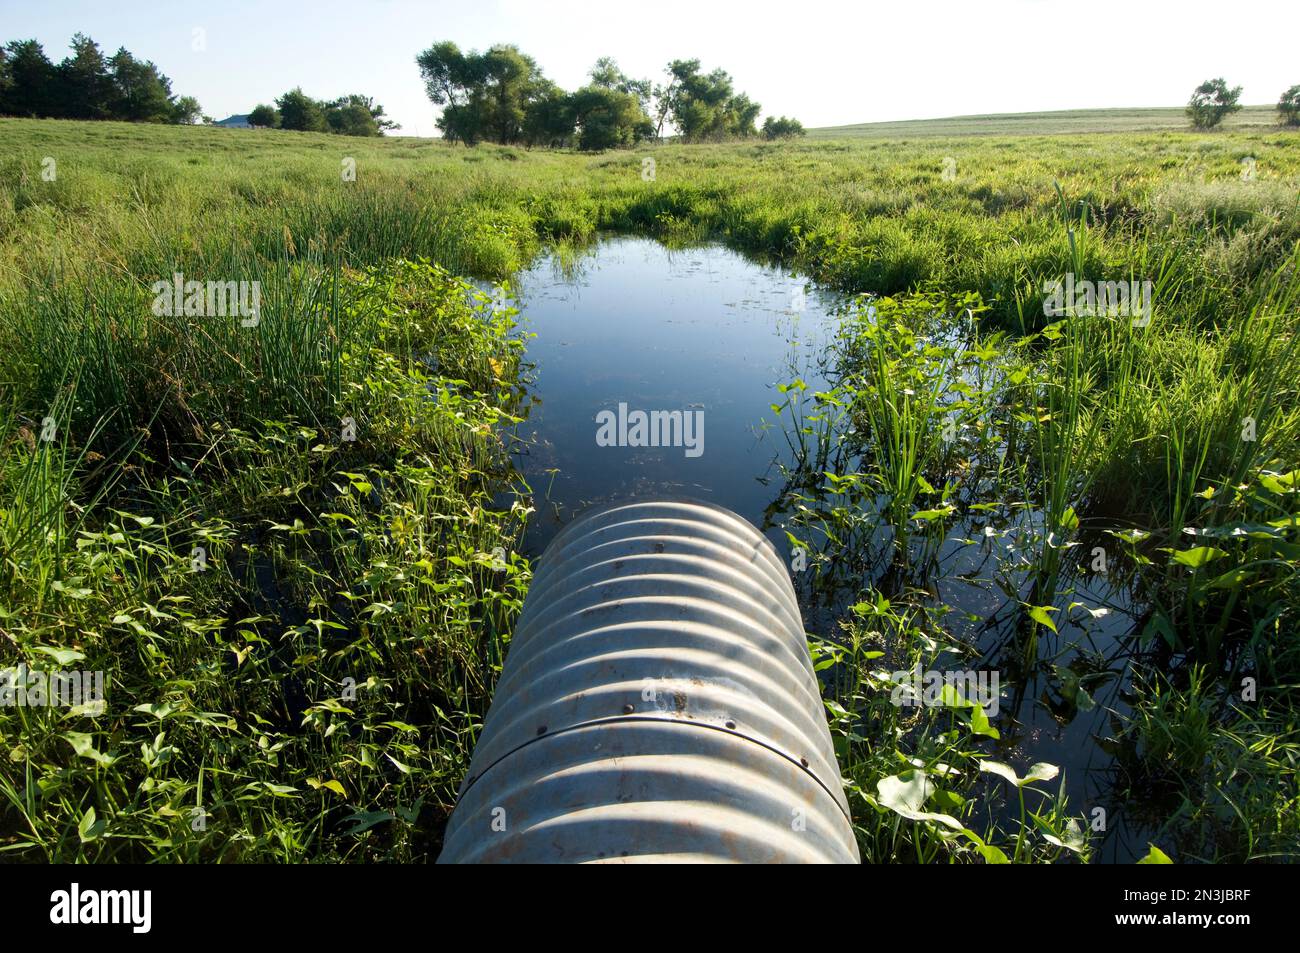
(295, 548)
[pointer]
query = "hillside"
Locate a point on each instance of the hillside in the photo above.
(1147, 119)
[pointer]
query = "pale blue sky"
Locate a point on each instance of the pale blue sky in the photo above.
(825, 63)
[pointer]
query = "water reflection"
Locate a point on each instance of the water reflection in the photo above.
(700, 332)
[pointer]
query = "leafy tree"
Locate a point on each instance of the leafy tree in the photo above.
(483, 95)
(502, 96)
(741, 113)
(606, 75)
(350, 119)
(781, 128)
(300, 112)
(463, 123)
(550, 120)
(448, 76)
(382, 122)
(513, 80)
(187, 111)
(664, 95)
(85, 87)
(453, 80)
(30, 76)
(695, 101)
(267, 117)
(351, 115)
(608, 118)
(1288, 107)
(140, 92)
(1210, 102)
(705, 107)
(356, 115)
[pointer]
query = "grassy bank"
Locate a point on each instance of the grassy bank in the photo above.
(1076, 122)
(280, 543)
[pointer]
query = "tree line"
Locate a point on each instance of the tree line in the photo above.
(352, 115)
(502, 96)
(1213, 101)
(88, 85)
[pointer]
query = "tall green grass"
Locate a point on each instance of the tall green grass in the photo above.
(312, 692)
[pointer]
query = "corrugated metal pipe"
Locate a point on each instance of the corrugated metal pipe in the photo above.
(658, 703)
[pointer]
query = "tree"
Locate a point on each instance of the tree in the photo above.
(447, 74)
(351, 115)
(187, 111)
(88, 86)
(512, 81)
(30, 76)
(741, 114)
(85, 87)
(781, 128)
(483, 95)
(549, 120)
(1288, 107)
(300, 112)
(349, 118)
(266, 117)
(451, 80)
(140, 92)
(382, 122)
(608, 118)
(606, 75)
(462, 123)
(356, 115)
(1210, 102)
(705, 107)
(664, 96)
(501, 95)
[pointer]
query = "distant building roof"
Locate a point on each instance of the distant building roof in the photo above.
(235, 122)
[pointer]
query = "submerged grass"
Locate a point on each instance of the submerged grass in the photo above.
(282, 543)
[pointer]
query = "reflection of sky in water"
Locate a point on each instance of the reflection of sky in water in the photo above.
(705, 329)
(697, 329)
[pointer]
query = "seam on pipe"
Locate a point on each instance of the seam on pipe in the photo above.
(615, 719)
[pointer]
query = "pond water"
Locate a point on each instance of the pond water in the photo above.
(699, 330)
(708, 333)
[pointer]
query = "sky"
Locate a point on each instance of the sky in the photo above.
(820, 62)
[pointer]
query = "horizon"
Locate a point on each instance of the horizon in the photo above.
(298, 45)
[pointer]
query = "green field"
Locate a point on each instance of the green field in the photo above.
(1055, 123)
(301, 621)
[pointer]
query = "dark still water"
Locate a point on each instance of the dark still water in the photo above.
(698, 332)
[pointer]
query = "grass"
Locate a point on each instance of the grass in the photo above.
(1057, 122)
(286, 545)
